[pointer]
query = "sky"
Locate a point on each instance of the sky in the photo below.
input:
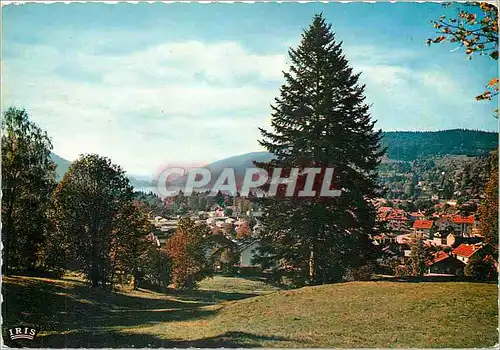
(150, 85)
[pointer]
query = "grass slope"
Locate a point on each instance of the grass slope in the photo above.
(236, 312)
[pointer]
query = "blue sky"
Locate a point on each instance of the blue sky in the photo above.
(156, 84)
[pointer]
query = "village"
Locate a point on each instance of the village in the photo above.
(453, 238)
(234, 235)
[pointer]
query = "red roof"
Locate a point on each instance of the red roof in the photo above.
(396, 216)
(384, 209)
(463, 220)
(422, 224)
(383, 212)
(439, 256)
(466, 250)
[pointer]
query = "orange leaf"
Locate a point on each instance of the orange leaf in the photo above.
(493, 82)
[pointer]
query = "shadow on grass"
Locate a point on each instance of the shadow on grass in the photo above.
(113, 339)
(209, 296)
(79, 316)
(58, 307)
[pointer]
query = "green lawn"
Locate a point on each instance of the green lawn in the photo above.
(237, 312)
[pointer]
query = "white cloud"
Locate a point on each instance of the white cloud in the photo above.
(129, 106)
(196, 102)
(409, 96)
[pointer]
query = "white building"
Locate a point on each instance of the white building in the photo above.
(247, 253)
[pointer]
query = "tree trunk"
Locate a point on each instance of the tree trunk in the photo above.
(312, 267)
(94, 275)
(6, 251)
(7, 233)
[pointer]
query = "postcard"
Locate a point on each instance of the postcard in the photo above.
(244, 175)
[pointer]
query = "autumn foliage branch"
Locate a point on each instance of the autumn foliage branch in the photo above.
(475, 29)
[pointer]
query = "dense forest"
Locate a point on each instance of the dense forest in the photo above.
(413, 145)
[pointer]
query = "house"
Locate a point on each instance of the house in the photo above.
(464, 225)
(404, 243)
(218, 244)
(444, 223)
(247, 253)
(383, 239)
(397, 220)
(153, 239)
(440, 238)
(423, 228)
(387, 250)
(416, 216)
(443, 263)
(465, 252)
(453, 240)
(456, 223)
(383, 212)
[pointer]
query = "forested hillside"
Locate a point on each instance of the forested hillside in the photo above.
(412, 145)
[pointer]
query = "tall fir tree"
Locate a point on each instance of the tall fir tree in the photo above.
(320, 119)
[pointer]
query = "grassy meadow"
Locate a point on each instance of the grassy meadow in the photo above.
(238, 312)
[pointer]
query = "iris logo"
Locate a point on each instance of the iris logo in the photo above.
(22, 332)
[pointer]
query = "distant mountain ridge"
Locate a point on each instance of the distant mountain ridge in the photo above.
(62, 165)
(401, 145)
(412, 145)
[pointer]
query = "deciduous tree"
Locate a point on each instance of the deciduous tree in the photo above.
(488, 210)
(187, 250)
(28, 178)
(92, 206)
(475, 29)
(131, 252)
(243, 231)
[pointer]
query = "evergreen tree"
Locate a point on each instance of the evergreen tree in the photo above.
(219, 198)
(419, 257)
(320, 119)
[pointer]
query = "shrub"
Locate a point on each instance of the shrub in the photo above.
(359, 273)
(403, 271)
(481, 270)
